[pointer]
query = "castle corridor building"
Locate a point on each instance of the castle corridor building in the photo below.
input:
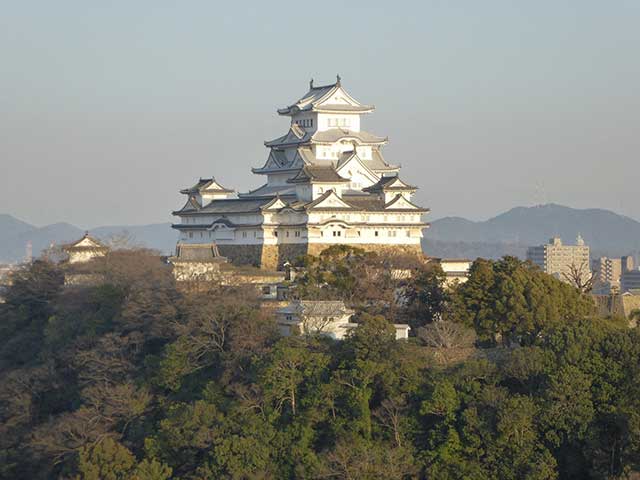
(326, 183)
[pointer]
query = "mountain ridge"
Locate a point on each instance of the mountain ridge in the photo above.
(606, 232)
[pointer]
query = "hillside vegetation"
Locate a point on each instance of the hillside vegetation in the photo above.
(510, 376)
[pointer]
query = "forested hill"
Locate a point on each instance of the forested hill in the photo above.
(133, 378)
(606, 232)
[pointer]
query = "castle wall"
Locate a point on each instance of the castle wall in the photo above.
(317, 248)
(273, 257)
(243, 254)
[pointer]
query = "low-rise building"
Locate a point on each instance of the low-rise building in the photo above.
(608, 272)
(455, 269)
(322, 317)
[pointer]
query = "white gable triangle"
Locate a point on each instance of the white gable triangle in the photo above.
(87, 242)
(400, 202)
(332, 201)
(275, 205)
(355, 170)
(338, 96)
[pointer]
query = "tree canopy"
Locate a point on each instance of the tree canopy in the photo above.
(133, 378)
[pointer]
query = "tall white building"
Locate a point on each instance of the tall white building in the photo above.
(326, 182)
(561, 260)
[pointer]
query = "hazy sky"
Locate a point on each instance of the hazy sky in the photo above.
(108, 108)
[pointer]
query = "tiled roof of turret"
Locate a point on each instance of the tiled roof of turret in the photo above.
(317, 95)
(318, 174)
(386, 184)
(207, 184)
(87, 242)
(328, 136)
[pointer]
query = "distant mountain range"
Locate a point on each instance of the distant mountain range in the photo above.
(509, 233)
(606, 232)
(15, 234)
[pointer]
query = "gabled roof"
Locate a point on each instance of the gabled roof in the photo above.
(401, 203)
(328, 201)
(352, 157)
(192, 205)
(390, 184)
(207, 185)
(326, 137)
(324, 308)
(318, 174)
(331, 97)
(295, 135)
(277, 160)
(87, 242)
(275, 204)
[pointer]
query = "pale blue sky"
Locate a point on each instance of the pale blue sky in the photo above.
(108, 108)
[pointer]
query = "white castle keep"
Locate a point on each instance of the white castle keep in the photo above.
(327, 183)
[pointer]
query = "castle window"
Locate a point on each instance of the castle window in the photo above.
(287, 233)
(408, 233)
(244, 234)
(358, 232)
(255, 234)
(375, 233)
(190, 234)
(392, 233)
(275, 234)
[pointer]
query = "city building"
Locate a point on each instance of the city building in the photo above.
(327, 183)
(562, 261)
(322, 317)
(630, 282)
(608, 272)
(85, 249)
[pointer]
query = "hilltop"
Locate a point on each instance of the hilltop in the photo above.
(606, 232)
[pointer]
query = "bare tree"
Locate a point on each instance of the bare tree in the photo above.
(318, 316)
(446, 334)
(580, 276)
(122, 241)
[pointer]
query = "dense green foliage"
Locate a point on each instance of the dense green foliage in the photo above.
(131, 378)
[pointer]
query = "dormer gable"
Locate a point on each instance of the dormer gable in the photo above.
(328, 201)
(275, 204)
(352, 167)
(399, 202)
(389, 187)
(206, 190)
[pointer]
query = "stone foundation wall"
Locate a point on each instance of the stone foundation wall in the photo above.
(243, 254)
(290, 252)
(317, 248)
(196, 271)
(272, 257)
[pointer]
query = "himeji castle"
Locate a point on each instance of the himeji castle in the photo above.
(326, 182)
